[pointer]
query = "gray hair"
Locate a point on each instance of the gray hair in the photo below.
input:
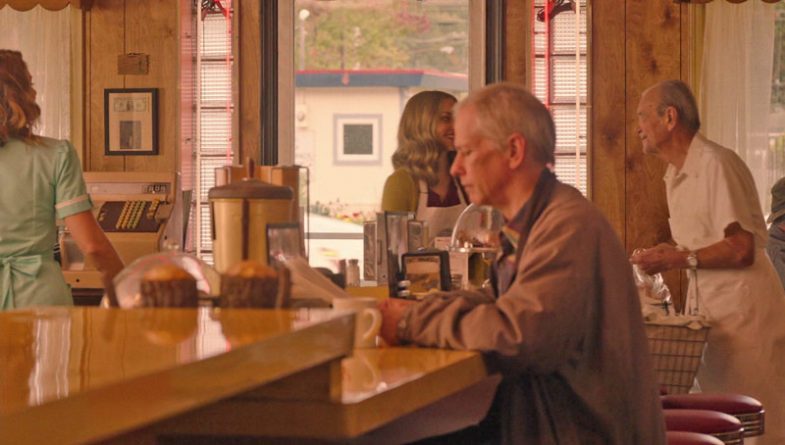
(505, 108)
(676, 94)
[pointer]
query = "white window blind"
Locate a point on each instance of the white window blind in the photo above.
(215, 109)
(560, 81)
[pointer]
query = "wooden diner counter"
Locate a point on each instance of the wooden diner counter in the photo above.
(75, 375)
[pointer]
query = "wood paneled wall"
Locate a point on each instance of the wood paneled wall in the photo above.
(635, 44)
(249, 70)
(516, 43)
(116, 27)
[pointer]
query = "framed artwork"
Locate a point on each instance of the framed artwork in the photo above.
(358, 139)
(131, 121)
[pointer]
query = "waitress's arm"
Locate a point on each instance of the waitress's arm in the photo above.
(400, 193)
(93, 242)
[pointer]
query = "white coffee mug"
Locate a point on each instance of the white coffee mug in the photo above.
(368, 319)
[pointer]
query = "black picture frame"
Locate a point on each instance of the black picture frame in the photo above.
(130, 121)
(426, 271)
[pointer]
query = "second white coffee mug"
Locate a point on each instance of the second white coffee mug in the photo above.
(368, 319)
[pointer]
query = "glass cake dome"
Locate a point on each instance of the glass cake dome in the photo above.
(127, 282)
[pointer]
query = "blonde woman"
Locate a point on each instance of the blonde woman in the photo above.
(40, 181)
(421, 182)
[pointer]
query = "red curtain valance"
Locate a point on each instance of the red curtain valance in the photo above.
(52, 5)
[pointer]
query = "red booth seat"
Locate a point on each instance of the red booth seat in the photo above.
(747, 409)
(720, 425)
(688, 438)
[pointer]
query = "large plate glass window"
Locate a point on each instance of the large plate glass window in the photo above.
(356, 63)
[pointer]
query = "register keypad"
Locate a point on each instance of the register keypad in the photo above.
(129, 216)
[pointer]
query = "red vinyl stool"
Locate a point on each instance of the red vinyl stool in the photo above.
(720, 425)
(749, 411)
(688, 438)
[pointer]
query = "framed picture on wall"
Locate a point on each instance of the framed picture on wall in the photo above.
(131, 121)
(358, 139)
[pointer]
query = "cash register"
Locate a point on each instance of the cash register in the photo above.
(137, 212)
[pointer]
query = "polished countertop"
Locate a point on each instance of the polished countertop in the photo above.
(389, 394)
(118, 369)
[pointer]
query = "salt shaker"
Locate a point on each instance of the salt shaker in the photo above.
(353, 273)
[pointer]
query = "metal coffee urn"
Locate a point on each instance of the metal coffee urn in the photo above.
(239, 214)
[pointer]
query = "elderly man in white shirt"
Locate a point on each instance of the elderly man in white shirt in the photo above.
(720, 237)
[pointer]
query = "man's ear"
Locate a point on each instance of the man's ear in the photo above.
(516, 145)
(671, 117)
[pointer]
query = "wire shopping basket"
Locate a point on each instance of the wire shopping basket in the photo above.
(676, 350)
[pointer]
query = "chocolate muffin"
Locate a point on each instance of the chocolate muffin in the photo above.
(168, 285)
(253, 284)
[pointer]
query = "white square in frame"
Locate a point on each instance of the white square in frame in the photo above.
(358, 138)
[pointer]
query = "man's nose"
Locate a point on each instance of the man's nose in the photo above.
(455, 169)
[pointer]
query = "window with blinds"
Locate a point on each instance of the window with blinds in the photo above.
(559, 50)
(214, 114)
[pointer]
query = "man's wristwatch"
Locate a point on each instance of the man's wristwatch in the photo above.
(692, 259)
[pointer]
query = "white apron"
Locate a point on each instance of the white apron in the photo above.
(440, 219)
(746, 348)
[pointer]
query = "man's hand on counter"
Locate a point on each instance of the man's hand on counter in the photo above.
(392, 311)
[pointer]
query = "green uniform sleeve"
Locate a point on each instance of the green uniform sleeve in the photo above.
(400, 193)
(70, 191)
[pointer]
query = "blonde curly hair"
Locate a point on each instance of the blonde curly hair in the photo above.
(18, 110)
(419, 146)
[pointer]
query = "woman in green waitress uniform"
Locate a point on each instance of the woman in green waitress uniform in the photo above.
(421, 182)
(40, 180)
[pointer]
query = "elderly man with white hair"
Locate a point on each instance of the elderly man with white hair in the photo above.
(719, 237)
(564, 324)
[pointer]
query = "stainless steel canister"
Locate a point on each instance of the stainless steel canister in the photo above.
(240, 212)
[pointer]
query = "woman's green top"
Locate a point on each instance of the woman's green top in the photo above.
(39, 182)
(400, 192)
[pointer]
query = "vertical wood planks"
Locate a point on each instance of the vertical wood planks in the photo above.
(608, 112)
(516, 43)
(653, 37)
(249, 69)
(653, 54)
(115, 27)
(106, 33)
(151, 28)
